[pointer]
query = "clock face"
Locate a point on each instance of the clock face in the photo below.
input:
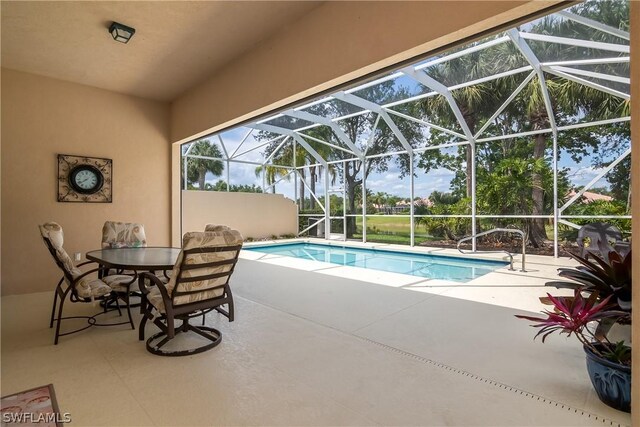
(86, 179)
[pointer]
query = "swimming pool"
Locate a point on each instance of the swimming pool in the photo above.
(427, 266)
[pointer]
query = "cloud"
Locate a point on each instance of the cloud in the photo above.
(582, 175)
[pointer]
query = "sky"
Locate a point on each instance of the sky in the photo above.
(388, 181)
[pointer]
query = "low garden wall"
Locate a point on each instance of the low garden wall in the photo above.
(255, 215)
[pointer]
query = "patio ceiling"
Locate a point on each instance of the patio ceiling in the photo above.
(176, 45)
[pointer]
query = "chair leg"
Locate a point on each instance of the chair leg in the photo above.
(231, 310)
(145, 316)
(55, 302)
(126, 300)
(55, 341)
(115, 300)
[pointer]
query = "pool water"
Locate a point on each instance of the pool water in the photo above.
(427, 266)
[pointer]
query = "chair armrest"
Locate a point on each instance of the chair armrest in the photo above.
(154, 281)
(86, 273)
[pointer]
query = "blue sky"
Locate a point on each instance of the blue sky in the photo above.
(389, 181)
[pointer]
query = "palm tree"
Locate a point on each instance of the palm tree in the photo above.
(198, 168)
(473, 101)
(273, 174)
(283, 157)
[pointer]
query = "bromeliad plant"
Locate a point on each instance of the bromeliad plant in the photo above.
(607, 276)
(575, 316)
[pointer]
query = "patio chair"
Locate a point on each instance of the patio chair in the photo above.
(199, 284)
(79, 286)
(123, 235)
(589, 235)
(117, 235)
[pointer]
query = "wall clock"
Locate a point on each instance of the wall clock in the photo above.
(84, 179)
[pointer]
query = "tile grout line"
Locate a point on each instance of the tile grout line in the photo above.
(452, 369)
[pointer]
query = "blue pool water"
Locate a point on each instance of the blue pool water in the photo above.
(428, 266)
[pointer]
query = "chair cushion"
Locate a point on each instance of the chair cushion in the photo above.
(123, 235)
(92, 287)
(155, 297)
(53, 232)
(203, 240)
(120, 282)
(216, 227)
(196, 240)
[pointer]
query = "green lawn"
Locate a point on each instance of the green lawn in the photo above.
(385, 229)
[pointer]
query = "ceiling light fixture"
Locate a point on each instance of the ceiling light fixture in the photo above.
(121, 33)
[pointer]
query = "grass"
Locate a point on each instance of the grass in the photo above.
(393, 230)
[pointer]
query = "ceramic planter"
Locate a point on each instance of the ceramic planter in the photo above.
(611, 381)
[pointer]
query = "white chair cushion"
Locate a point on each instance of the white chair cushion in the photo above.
(120, 282)
(92, 287)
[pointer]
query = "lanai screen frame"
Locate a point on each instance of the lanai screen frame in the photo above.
(535, 68)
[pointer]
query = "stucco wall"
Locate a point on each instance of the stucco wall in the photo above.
(253, 214)
(43, 117)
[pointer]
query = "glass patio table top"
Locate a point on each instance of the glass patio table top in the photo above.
(147, 258)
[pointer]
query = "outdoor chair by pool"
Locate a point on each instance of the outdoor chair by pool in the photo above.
(79, 286)
(590, 234)
(199, 284)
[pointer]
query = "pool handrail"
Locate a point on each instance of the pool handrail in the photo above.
(495, 230)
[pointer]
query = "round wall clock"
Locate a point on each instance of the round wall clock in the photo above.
(83, 179)
(86, 179)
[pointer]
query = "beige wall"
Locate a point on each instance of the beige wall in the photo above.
(42, 117)
(635, 188)
(253, 214)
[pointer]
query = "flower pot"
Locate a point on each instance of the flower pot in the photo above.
(611, 381)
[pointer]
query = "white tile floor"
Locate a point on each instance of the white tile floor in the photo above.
(316, 348)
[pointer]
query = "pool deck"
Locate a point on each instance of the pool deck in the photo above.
(322, 344)
(502, 287)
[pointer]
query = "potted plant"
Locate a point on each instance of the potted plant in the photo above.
(602, 297)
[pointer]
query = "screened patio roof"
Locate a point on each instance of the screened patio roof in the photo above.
(533, 56)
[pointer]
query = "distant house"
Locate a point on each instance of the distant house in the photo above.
(588, 197)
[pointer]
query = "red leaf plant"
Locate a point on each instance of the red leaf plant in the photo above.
(572, 316)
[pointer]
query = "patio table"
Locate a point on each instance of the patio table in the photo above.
(136, 259)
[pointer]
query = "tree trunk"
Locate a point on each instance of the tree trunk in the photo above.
(351, 201)
(302, 188)
(469, 170)
(350, 190)
(202, 174)
(629, 200)
(537, 232)
(312, 177)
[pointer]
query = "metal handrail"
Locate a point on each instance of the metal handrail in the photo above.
(494, 230)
